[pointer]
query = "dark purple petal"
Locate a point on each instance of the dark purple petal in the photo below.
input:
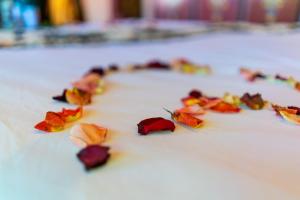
(295, 108)
(93, 156)
(195, 94)
(279, 77)
(157, 65)
(98, 70)
(156, 124)
(113, 68)
(62, 97)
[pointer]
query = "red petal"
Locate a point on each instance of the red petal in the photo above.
(93, 156)
(155, 124)
(224, 107)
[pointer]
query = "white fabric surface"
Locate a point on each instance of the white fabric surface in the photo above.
(252, 155)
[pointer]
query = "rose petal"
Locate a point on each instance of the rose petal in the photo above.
(151, 125)
(78, 97)
(195, 94)
(186, 119)
(255, 102)
(224, 107)
(93, 156)
(46, 127)
(290, 117)
(70, 115)
(87, 134)
(62, 97)
(190, 101)
(192, 110)
(232, 99)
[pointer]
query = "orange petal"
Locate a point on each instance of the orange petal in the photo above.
(88, 83)
(189, 101)
(87, 134)
(78, 97)
(290, 117)
(54, 119)
(207, 103)
(187, 119)
(224, 107)
(192, 110)
(44, 126)
(70, 115)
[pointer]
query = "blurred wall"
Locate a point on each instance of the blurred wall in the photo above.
(96, 11)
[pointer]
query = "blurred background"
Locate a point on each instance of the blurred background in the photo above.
(37, 22)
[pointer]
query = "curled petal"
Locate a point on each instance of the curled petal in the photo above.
(195, 94)
(70, 115)
(155, 124)
(192, 110)
(78, 97)
(224, 107)
(255, 102)
(89, 83)
(62, 97)
(207, 103)
(232, 99)
(93, 156)
(46, 127)
(52, 123)
(190, 101)
(186, 119)
(87, 134)
(290, 117)
(250, 75)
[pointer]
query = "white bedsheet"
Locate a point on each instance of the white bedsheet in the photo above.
(252, 155)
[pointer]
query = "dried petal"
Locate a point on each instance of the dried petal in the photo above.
(195, 94)
(158, 65)
(281, 78)
(151, 125)
(192, 110)
(290, 117)
(224, 107)
(62, 97)
(52, 123)
(189, 101)
(97, 70)
(251, 75)
(186, 119)
(207, 103)
(87, 134)
(70, 115)
(88, 83)
(232, 99)
(255, 102)
(78, 97)
(93, 156)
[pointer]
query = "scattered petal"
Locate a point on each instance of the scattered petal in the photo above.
(254, 102)
(151, 125)
(62, 97)
(192, 110)
(78, 97)
(224, 107)
(52, 123)
(88, 83)
(157, 65)
(93, 156)
(190, 101)
(87, 134)
(70, 115)
(195, 93)
(290, 117)
(186, 119)
(232, 99)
